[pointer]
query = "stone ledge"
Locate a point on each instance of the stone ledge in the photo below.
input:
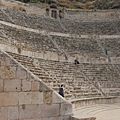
(81, 118)
(95, 100)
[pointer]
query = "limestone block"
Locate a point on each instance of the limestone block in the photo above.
(33, 119)
(2, 60)
(60, 118)
(12, 113)
(50, 110)
(29, 77)
(57, 98)
(21, 73)
(12, 85)
(13, 71)
(30, 98)
(35, 85)
(66, 109)
(26, 85)
(54, 56)
(5, 72)
(47, 97)
(24, 98)
(44, 87)
(37, 98)
(30, 112)
(50, 118)
(10, 98)
(1, 85)
(67, 117)
(7, 60)
(3, 113)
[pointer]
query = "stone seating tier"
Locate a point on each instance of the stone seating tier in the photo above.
(79, 45)
(74, 87)
(3, 17)
(84, 80)
(32, 20)
(83, 46)
(92, 27)
(28, 40)
(23, 96)
(46, 23)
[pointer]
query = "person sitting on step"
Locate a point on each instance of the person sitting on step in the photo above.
(61, 91)
(76, 61)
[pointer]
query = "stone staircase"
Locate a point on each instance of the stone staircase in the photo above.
(54, 73)
(82, 81)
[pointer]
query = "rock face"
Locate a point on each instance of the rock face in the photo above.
(107, 4)
(83, 4)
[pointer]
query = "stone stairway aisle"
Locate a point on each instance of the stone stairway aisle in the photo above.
(54, 73)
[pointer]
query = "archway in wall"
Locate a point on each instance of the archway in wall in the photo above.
(54, 13)
(47, 12)
(60, 14)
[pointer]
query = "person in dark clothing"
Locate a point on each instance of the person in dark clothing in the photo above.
(106, 51)
(61, 91)
(76, 61)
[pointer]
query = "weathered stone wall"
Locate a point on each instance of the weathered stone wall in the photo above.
(47, 55)
(76, 26)
(39, 41)
(25, 97)
(93, 15)
(95, 100)
(22, 7)
(73, 15)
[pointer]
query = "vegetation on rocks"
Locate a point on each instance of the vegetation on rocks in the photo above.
(80, 4)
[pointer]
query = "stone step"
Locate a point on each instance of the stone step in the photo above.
(81, 117)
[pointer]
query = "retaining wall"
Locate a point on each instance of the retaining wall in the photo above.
(70, 14)
(24, 96)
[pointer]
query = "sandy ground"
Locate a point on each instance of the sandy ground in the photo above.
(100, 111)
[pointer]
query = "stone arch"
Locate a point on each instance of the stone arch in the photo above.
(53, 6)
(54, 14)
(60, 14)
(54, 11)
(47, 11)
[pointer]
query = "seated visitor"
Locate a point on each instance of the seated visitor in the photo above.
(76, 61)
(106, 51)
(61, 92)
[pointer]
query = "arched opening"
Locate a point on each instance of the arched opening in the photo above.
(54, 14)
(54, 6)
(60, 14)
(47, 12)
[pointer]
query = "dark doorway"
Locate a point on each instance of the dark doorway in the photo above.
(47, 12)
(54, 14)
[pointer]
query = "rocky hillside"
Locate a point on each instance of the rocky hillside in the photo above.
(80, 4)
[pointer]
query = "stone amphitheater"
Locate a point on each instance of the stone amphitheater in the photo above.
(37, 52)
